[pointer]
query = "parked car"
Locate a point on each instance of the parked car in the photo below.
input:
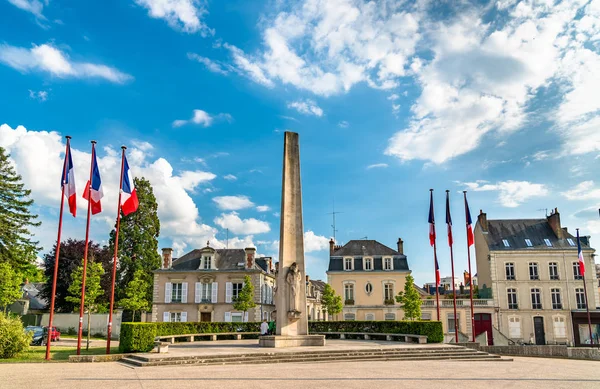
(39, 334)
(54, 334)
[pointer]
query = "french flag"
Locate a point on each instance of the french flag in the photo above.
(68, 182)
(449, 219)
(95, 187)
(431, 221)
(470, 237)
(129, 199)
(580, 255)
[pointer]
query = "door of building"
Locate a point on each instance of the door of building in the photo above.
(538, 329)
(204, 316)
(483, 323)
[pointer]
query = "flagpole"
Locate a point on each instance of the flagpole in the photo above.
(452, 264)
(469, 261)
(114, 271)
(587, 306)
(85, 252)
(60, 217)
(435, 267)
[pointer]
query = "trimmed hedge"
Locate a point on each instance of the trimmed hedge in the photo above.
(432, 329)
(139, 337)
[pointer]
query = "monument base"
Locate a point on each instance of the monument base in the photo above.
(279, 341)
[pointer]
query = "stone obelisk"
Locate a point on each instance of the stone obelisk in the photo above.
(290, 297)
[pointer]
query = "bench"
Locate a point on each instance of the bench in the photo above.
(161, 347)
(369, 335)
(211, 336)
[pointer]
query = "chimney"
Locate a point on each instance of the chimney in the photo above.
(482, 220)
(276, 267)
(307, 278)
(167, 254)
(250, 257)
(331, 246)
(400, 246)
(554, 221)
(269, 264)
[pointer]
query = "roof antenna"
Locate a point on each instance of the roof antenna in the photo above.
(333, 225)
(545, 211)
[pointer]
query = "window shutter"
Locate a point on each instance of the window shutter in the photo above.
(260, 297)
(183, 316)
(168, 291)
(166, 316)
(246, 317)
(228, 293)
(215, 289)
(198, 293)
(184, 292)
(227, 316)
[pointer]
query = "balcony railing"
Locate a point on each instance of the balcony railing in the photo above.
(447, 303)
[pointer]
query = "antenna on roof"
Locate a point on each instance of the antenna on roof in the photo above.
(545, 211)
(333, 225)
(364, 238)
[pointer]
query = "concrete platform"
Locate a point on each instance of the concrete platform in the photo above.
(278, 341)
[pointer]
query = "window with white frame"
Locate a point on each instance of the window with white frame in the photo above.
(528, 243)
(506, 244)
(349, 316)
(560, 329)
(368, 263)
(577, 271)
(425, 316)
(553, 270)
(237, 317)
(556, 298)
(388, 264)
(206, 292)
(511, 294)
(533, 271)
(390, 316)
(236, 288)
(388, 291)
(348, 264)
(207, 262)
(369, 317)
(536, 298)
(369, 288)
(349, 293)
(176, 292)
(514, 327)
(510, 271)
(580, 298)
(570, 241)
(547, 241)
(452, 322)
(175, 317)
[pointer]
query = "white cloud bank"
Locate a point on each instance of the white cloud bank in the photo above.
(510, 193)
(306, 107)
(233, 203)
(239, 226)
(34, 7)
(203, 118)
(184, 15)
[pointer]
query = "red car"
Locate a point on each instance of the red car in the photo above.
(54, 335)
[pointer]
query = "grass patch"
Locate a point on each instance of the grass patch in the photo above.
(83, 338)
(58, 354)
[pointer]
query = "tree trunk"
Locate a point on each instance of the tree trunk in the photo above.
(87, 346)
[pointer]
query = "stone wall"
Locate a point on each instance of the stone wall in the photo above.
(588, 353)
(98, 322)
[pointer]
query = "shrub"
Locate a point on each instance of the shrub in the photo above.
(432, 329)
(13, 339)
(137, 337)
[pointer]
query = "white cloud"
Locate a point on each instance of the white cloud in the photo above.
(203, 118)
(585, 190)
(38, 156)
(393, 97)
(184, 15)
(235, 224)
(142, 145)
(314, 242)
(263, 208)
(248, 68)
(377, 165)
(41, 95)
(306, 107)
(343, 124)
(511, 193)
(47, 58)
(33, 6)
(233, 203)
(213, 66)
(230, 177)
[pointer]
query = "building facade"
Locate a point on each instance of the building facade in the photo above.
(529, 267)
(202, 285)
(314, 293)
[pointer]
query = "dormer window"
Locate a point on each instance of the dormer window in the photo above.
(548, 243)
(348, 264)
(506, 244)
(368, 263)
(570, 241)
(528, 243)
(207, 262)
(388, 264)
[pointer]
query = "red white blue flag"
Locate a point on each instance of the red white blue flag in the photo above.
(470, 237)
(68, 182)
(449, 219)
(94, 188)
(580, 255)
(129, 199)
(432, 238)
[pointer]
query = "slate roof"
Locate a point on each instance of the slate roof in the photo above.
(226, 260)
(366, 248)
(319, 285)
(515, 231)
(31, 292)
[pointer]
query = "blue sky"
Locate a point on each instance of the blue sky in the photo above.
(390, 99)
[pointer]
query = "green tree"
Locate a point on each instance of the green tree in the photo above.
(410, 300)
(17, 246)
(245, 299)
(10, 286)
(93, 291)
(136, 294)
(138, 241)
(331, 301)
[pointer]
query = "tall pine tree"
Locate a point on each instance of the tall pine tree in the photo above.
(138, 241)
(17, 246)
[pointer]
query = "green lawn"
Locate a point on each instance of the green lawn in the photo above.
(58, 353)
(84, 337)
